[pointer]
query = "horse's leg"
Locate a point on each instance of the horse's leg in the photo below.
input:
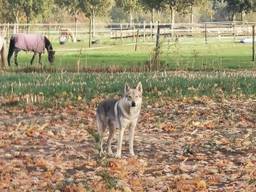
(10, 53)
(11, 50)
(40, 62)
(32, 60)
(15, 57)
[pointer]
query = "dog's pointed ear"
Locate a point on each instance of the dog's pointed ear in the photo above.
(126, 88)
(139, 87)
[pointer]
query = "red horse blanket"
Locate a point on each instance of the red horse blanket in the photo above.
(30, 42)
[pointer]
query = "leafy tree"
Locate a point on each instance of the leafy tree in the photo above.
(118, 15)
(17, 10)
(72, 6)
(175, 6)
(151, 5)
(189, 6)
(10, 11)
(219, 8)
(129, 6)
(32, 8)
(92, 8)
(239, 6)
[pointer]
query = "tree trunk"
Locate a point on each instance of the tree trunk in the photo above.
(93, 23)
(191, 19)
(242, 16)
(15, 26)
(153, 15)
(90, 31)
(131, 18)
(172, 20)
(191, 15)
(28, 21)
(17, 17)
(75, 36)
(159, 14)
(233, 17)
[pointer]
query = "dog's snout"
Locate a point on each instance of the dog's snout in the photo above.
(133, 104)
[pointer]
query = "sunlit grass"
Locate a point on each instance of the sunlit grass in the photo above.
(186, 54)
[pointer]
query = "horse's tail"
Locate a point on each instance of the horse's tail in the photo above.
(11, 49)
(3, 55)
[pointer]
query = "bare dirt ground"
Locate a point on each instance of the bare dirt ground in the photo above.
(197, 144)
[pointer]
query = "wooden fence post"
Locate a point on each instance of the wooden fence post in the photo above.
(13, 28)
(48, 30)
(151, 30)
(205, 33)
(144, 33)
(8, 30)
(121, 27)
(234, 31)
(90, 31)
(75, 39)
(136, 43)
(253, 43)
(134, 33)
(158, 36)
(157, 51)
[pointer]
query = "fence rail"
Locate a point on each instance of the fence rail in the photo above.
(127, 30)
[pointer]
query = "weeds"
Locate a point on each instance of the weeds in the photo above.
(110, 181)
(73, 86)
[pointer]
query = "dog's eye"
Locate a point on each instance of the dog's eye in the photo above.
(129, 97)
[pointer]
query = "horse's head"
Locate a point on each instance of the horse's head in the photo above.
(51, 53)
(51, 56)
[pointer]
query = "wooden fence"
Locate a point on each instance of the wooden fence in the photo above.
(125, 30)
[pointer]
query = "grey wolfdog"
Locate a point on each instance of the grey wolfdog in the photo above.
(119, 114)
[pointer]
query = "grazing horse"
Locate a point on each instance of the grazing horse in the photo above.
(2, 51)
(66, 32)
(30, 42)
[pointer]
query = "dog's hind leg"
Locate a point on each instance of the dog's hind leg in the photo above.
(110, 138)
(101, 130)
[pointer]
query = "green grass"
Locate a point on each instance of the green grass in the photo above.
(187, 54)
(87, 86)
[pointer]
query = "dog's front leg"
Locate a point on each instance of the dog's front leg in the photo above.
(131, 138)
(120, 142)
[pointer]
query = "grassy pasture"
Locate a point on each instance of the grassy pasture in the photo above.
(187, 54)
